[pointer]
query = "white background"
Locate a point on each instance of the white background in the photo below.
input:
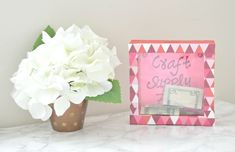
(120, 21)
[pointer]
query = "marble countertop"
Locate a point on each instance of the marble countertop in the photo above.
(112, 133)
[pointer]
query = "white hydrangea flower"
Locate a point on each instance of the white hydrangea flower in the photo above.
(74, 64)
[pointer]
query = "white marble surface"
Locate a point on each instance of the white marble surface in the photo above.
(112, 133)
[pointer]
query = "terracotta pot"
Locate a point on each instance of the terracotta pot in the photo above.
(71, 120)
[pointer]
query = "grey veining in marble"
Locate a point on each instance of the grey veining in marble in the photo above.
(112, 133)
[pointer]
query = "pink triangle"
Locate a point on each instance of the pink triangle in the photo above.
(151, 49)
(210, 74)
(188, 122)
(142, 50)
(132, 49)
(202, 121)
(207, 113)
(179, 122)
(170, 49)
(212, 106)
(197, 123)
(199, 49)
(132, 108)
(206, 84)
(206, 65)
(206, 71)
(160, 121)
(144, 119)
(160, 49)
(183, 119)
(137, 118)
(132, 73)
(208, 92)
(210, 122)
(213, 66)
(193, 120)
(131, 78)
(180, 49)
(155, 118)
(189, 49)
(132, 120)
(169, 122)
(210, 51)
(165, 119)
(132, 57)
(132, 93)
(213, 85)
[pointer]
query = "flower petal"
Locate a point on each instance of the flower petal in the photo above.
(47, 114)
(47, 96)
(37, 110)
(21, 99)
(45, 37)
(61, 105)
(99, 71)
(76, 97)
(106, 85)
(95, 89)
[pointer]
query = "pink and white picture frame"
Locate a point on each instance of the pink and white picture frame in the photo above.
(154, 64)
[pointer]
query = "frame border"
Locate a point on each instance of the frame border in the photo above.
(205, 47)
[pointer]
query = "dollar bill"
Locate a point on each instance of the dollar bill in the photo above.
(160, 110)
(169, 110)
(183, 97)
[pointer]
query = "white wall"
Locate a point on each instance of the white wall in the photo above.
(119, 21)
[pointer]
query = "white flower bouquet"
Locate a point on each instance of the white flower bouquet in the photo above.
(66, 66)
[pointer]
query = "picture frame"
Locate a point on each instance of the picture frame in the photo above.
(200, 51)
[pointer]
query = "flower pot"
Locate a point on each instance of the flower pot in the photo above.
(71, 120)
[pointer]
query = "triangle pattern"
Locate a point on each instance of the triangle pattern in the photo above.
(180, 49)
(142, 50)
(132, 57)
(175, 46)
(156, 118)
(151, 49)
(132, 93)
(193, 120)
(170, 49)
(184, 46)
(160, 49)
(132, 49)
(137, 46)
(151, 121)
(174, 119)
(208, 92)
(165, 46)
(146, 46)
(199, 50)
(156, 46)
(210, 74)
(145, 119)
(210, 63)
(194, 47)
(169, 122)
(132, 120)
(189, 49)
(132, 108)
(204, 47)
(210, 81)
(206, 84)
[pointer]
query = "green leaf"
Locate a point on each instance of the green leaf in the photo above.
(112, 96)
(39, 41)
